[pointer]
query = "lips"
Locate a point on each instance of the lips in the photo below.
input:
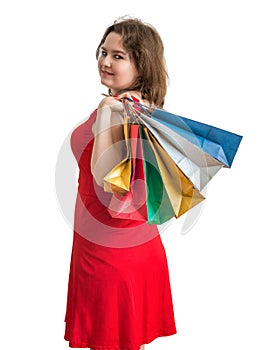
(106, 73)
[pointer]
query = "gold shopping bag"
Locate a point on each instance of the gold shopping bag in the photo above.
(117, 180)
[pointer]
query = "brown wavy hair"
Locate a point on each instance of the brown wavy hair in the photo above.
(145, 47)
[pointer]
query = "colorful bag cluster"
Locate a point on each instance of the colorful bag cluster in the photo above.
(169, 160)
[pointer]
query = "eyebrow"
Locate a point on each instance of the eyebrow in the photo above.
(114, 51)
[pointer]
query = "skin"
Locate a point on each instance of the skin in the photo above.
(117, 71)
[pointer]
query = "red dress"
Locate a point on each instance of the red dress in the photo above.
(119, 294)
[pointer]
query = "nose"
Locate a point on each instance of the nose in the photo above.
(106, 61)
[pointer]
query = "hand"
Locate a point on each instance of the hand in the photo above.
(114, 101)
(111, 102)
(128, 95)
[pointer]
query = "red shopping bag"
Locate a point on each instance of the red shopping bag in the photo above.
(132, 205)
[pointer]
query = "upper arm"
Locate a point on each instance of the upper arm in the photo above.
(108, 138)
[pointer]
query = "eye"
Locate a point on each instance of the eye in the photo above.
(103, 53)
(118, 57)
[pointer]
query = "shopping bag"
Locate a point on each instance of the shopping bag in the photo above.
(178, 195)
(197, 165)
(132, 203)
(117, 180)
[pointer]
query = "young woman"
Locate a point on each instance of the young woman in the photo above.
(119, 295)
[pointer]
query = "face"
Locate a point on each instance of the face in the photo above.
(116, 69)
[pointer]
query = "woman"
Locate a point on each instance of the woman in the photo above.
(119, 295)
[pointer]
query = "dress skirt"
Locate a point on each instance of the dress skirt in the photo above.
(119, 294)
(119, 298)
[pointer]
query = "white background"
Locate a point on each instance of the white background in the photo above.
(49, 83)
